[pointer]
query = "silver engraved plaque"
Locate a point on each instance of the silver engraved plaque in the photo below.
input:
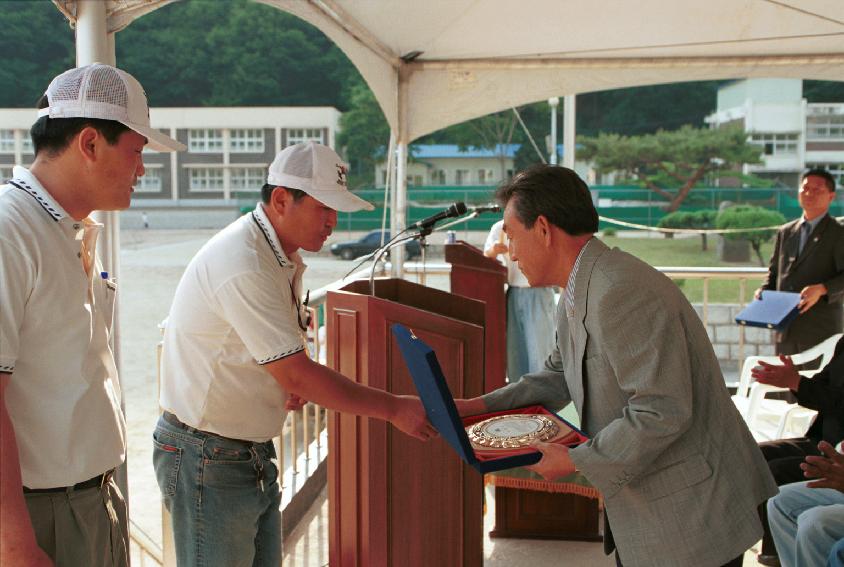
(512, 431)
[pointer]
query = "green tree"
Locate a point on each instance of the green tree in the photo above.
(364, 135)
(748, 216)
(704, 219)
(37, 44)
(670, 163)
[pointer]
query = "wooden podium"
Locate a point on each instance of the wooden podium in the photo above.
(478, 277)
(393, 500)
(518, 512)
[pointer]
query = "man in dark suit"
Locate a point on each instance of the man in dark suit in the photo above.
(809, 258)
(823, 392)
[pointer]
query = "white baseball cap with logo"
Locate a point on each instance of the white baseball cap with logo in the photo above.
(106, 93)
(318, 171)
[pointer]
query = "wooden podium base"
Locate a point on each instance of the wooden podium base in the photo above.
(533, 514)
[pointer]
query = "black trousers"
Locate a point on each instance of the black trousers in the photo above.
(784, 457)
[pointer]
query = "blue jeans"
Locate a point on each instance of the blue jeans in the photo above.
(530, 329)
(836, 556)
(806, 523)
(223, 496)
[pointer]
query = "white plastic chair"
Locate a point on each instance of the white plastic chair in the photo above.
(776, 419)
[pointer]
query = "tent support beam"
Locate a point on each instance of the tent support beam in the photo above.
(763, 61)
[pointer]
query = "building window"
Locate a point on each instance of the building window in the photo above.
(776, 144)
(7, 141)
(834, 169)
(26, 143)
(247, 178)
(438, 177)
(246, 141)
(461, 177)
(299, 135)
(5, 174)
(206, 179)
(206, 141)
(825, 127)
(150, 182)
(485, 177)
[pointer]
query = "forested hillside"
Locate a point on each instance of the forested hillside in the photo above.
(238, 52)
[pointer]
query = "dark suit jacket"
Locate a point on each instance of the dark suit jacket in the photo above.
(824, 393)
(822, 261)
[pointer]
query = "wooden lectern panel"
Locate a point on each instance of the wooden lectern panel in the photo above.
(394, 500)
(478, 277)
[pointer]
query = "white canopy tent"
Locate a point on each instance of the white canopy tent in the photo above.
(434, 63)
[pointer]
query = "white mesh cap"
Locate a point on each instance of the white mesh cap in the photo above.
(318, 171)
(105, 92)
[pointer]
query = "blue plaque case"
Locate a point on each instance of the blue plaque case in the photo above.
(775, 310)
(439, 404)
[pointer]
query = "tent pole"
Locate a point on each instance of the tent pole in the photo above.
(94, 44)
(400, 212)
(568, 131)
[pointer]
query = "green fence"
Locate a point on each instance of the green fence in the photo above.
(628, 204)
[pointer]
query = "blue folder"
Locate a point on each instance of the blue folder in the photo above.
(775, 310)
(439, 404)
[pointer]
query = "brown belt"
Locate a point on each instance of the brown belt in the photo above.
(96, 482)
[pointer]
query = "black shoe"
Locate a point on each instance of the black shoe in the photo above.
(771, 560)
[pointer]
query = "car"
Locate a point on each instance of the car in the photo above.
(370, 242)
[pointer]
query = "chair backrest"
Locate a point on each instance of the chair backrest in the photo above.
(825, 349)
(745, 379)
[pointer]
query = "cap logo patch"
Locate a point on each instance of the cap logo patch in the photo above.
(341, 174)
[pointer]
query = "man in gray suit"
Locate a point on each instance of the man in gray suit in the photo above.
(680, 474)
(809, 258)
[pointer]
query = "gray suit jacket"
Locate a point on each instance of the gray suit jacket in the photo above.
(822, 261)
(680, 474)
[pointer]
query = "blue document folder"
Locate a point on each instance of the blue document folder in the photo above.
(439, 405)
(775, 310)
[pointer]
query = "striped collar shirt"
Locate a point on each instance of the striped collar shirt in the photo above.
(568, 295)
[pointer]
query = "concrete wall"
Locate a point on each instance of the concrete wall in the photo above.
(725, 333)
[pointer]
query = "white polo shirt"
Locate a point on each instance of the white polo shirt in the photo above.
(515, 277)
(55, 320)
(236, 308)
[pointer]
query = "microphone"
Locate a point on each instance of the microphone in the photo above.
(491, 208)
(454, 210)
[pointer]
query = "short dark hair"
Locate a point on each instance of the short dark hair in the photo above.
(555, 192)
(52, 135)
(267, 192)
(821, 172)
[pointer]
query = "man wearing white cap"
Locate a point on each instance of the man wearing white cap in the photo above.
(234, 351)
(62, 432)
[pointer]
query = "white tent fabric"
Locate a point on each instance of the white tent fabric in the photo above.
(434, 63)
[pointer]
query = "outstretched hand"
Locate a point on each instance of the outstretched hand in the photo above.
(828, 468)
(555, 463)
(410, 418)
(781, 376)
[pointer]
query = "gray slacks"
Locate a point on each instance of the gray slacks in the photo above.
(86, 527)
